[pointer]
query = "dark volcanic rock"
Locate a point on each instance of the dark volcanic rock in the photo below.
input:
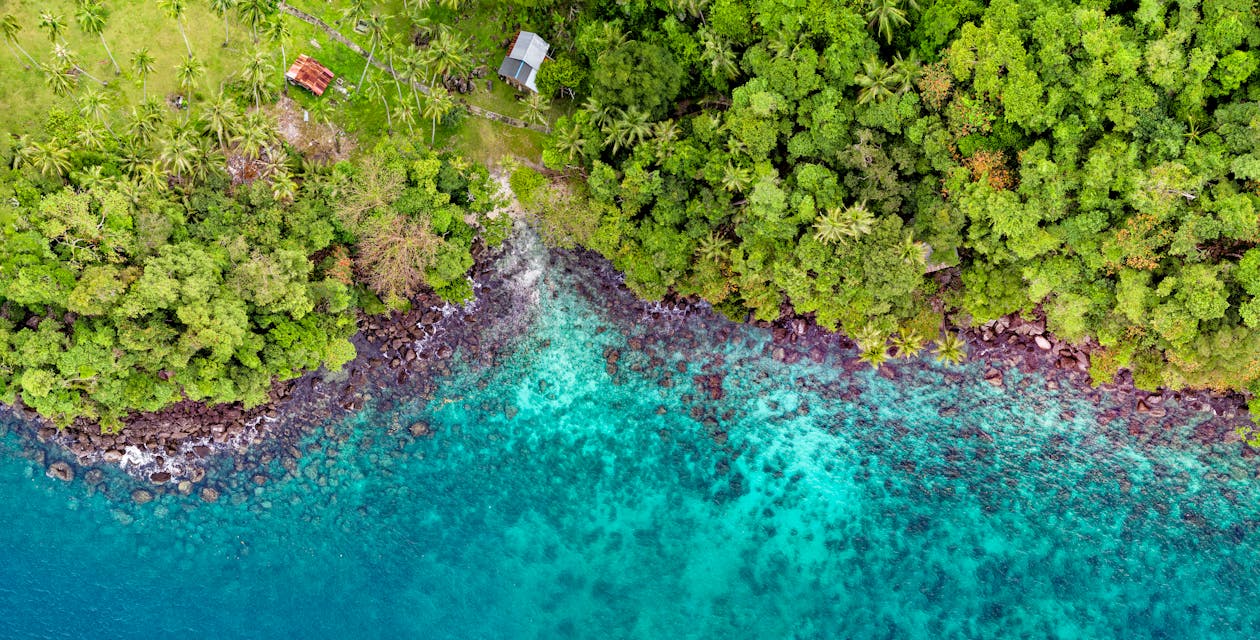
(61, 471)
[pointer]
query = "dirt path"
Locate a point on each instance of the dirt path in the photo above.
(336, 35)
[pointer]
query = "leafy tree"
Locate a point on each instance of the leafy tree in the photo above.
(637, 74)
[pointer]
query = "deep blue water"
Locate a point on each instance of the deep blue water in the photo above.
(557, 500)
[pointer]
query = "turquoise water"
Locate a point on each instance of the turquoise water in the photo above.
(560, 498)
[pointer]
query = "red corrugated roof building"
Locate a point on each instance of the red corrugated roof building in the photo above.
(309, 74)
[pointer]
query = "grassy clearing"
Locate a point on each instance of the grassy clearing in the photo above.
(489, 142)
(485, 24)
(141, 23)
(132, 24)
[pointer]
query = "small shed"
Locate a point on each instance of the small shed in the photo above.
(526, 53)
(309, 74)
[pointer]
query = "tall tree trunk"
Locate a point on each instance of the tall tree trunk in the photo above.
(16, 54)
(180, 24)
(84, 72)
(388, 118)
(28, 56)
(393, 74)
(366, 65)
(433, 135)
(117, 69)
(226, 37)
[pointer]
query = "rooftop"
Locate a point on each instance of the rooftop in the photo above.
(524, 57)
(309, 74)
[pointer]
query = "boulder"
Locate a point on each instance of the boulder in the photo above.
(61, 471)
(993, 377)
(1043, 343)
(141, 496)
(160, 477)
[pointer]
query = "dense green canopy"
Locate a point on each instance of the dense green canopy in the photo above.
(1100, 161)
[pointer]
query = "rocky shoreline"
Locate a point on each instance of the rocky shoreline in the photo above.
(403, 354)
(1013, 342)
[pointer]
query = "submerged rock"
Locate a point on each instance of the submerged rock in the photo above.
(141, 496)
(61, 471)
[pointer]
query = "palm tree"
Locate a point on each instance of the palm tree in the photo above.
(570, 142)
(277, 30)
(874, 356)
(153, 176)
(208, 160)
(602, 116)
(392, 44)
(145, 120)
(876, 80)
(189, 72)
(255, 75)
(841, 223)
(693, 8)
(221, 117)
(51, 158)
(536, 106)
(283, 188)
(950, 349)
(69, 59)
(91, 17)
(631, 129)
(449, 55)
(142, 63)
(912, 251)
(59, 79)
(436, 105)
(94, 104)
(254, 134)
(11, 28)
(222, 8)
(376, 27)
(908, 343)
(884, 14)
(23, 151)
(906, 71)
(412, 71)
(132, 154)
(254, 13)
(175, 9)
(736, 178)
(375, 90)
(356, 10)
(91, 135)
(719, 56)
(714, 247)
(407, 114)
(54, 23)
(178, 153)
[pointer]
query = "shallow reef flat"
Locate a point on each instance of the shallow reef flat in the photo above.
(603, 467)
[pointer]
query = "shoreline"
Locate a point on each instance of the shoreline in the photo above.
(170, 450)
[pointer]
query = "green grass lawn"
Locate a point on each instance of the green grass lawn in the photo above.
(135, 23)
(132, 24)
(485, 24)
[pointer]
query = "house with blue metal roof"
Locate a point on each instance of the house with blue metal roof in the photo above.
(525, 55)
